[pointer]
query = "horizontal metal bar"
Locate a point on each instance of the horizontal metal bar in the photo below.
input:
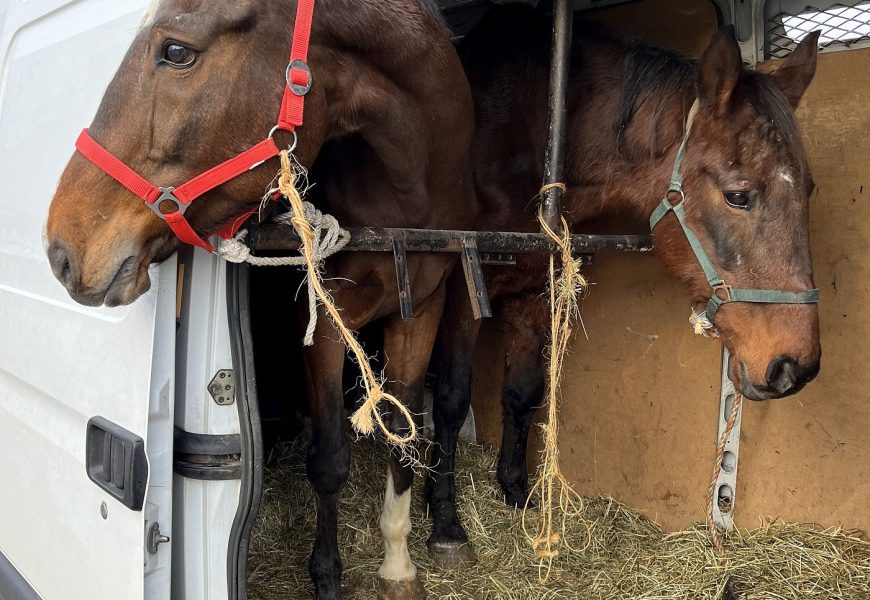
(275, 237)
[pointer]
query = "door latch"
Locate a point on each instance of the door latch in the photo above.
(153, 537)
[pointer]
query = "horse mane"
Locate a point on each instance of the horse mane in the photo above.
(651, 73)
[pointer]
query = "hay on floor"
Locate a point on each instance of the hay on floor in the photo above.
(627, 557)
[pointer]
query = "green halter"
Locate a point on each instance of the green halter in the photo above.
(722, 292)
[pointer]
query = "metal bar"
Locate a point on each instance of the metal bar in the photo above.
(726, 483)
(277, 237)
(474, 280)
(406, 305)
(554, 163)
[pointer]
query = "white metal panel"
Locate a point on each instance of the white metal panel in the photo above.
(204, 510)
(61, 363)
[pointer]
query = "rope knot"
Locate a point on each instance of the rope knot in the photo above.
(234, 250)
(702, 325)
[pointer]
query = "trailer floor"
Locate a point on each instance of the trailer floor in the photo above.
(620, 554)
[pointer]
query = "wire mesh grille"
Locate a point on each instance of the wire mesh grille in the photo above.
(843, 24)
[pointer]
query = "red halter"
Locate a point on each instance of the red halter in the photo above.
(298, 77)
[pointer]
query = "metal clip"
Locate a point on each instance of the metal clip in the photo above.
(167, 194)
(726, 292)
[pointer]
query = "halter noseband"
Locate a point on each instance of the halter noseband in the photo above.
(722, 292)
(298, 77)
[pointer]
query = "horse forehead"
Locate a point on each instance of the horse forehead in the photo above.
(166, 12)
(759, 144)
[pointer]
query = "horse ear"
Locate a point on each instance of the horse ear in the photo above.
(797, 70)
(719, 70)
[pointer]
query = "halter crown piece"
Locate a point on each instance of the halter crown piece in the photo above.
(298, 77)
(722, 292)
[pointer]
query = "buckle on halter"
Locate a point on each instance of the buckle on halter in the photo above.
(298, 89)
(722, 292)
(167, 195)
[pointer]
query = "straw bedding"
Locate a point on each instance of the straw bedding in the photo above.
(626, 555)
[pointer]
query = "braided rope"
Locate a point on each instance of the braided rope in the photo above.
(367, 415)
(552, 485)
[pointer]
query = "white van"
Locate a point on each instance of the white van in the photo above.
(90, 397)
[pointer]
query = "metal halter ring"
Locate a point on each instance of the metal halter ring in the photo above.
(677, 191)
(293, 144)
(298, 89)
(167, 194)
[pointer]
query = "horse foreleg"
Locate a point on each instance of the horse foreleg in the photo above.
(407, 349)
(448, 544)
(328, 460)
(524, 319)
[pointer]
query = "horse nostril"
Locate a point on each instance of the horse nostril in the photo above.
(61, 266)
(782, 374)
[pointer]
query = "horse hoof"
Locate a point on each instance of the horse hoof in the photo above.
(516, 496)
(451, 555)
(401, 589)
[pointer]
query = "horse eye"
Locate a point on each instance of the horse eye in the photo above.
(178, 55)
(742, 200)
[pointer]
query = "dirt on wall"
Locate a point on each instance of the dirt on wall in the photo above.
(641, 394)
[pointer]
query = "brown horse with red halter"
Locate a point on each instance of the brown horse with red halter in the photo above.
(201, 86)
(718, 142)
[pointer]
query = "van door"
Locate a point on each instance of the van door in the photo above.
(86, 394)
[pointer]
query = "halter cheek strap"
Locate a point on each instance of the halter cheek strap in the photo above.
(170, 203)
(722, 292)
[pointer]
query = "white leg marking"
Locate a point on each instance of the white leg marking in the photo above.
(395, 527)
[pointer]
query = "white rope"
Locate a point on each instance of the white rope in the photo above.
(702, 325)
(332, 238)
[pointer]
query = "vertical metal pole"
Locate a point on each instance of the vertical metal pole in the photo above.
(563, 24)
(726, 485)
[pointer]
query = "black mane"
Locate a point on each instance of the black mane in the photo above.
(652, 73)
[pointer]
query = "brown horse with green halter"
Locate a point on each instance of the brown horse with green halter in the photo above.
(202, 83)
(650, 132)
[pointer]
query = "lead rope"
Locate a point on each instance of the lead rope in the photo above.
(364, 418)
(551, 484)
(309, 223)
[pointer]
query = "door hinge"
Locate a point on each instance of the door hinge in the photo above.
(222, 387)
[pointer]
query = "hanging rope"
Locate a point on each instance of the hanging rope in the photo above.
(551, 485)
(716, 537)
(322, 237)
(367, 415)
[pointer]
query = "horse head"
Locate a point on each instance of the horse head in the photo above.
(201, 83)
(746, 196)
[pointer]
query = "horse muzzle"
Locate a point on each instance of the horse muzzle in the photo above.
(122, 285)
(784, 377)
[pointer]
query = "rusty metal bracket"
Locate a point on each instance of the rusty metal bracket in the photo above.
(474, 279)
(404, 280)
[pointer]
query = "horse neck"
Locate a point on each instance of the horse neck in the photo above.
(627, 171)
(373, 56)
